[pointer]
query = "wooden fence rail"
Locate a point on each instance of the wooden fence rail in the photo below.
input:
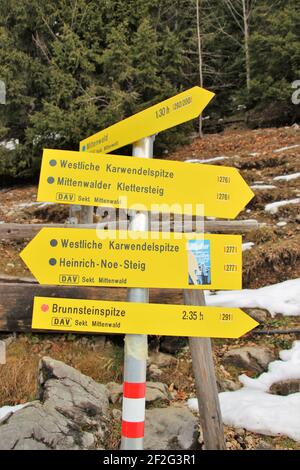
(16, 298)
(24, 231)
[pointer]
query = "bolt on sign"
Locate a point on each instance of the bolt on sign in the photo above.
(64, 256)
(109, 180)
(169, 113)
(99, 316)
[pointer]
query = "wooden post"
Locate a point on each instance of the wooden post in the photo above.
(81, 214)
(86, 215)
(206, 386)
(23, 231)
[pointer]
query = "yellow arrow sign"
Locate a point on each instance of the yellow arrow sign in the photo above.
(169, 113)
(110, 180)
(64, 256)
(99, 316)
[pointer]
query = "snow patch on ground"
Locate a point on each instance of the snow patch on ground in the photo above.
(283, 298)
(247, 246)
(208, 160)
(6, 410)
(263, 186)
(291, 176)
(253, 408)
(282, 149)
(23, 205)
(273, 206)
(281, 224)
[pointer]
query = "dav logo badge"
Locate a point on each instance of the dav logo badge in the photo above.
(69, 279)
(64, 322)
(65, 197)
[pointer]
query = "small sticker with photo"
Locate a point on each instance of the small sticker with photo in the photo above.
(199, 262)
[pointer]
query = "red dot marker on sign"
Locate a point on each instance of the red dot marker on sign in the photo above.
(45, 308)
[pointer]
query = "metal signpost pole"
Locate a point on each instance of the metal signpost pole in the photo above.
(136, 347)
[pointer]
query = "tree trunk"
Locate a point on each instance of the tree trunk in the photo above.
(200, 58)
(246, 43)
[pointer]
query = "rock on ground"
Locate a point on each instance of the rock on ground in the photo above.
(161, 359)
(72, 413)
(172, 344)
(258, 314)
(154, 372)
(154, 391)
(157, 391)
(115, 392)
(171, 428)
(285, 387)
(252, 358)
(225, 385)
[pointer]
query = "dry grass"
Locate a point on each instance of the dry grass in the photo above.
(56, 213)
(289, 212)
(262, 235)
(266, 196)
(260, 163)
(271, 262)
(18, 381)
(18, 377)
(113, 441)
(10, 261)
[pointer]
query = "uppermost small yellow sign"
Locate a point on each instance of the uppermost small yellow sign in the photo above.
(169, 113)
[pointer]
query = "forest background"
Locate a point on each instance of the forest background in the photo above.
(74, 67)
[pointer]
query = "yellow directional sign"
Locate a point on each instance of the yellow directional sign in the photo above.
(109, 180)
(99, 316)
(169, 113)
(74, 256)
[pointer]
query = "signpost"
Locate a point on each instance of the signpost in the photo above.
(80, 257)
(140, 259)
(103, 316)
(117, 181)
(169, 113)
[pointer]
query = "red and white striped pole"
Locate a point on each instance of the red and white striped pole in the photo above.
(134, 391)
(136, 347)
